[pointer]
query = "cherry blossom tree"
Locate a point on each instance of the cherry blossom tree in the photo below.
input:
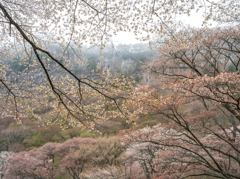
(41, 163)
(131, 172)
(36, 26)
(199, 64)
(182, 154)
(3, 156)
(76, 153)
(196, 88)
(85, 153)
(24, 165)
(31, 29)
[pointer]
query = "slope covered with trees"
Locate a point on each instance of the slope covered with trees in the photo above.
(191, 99)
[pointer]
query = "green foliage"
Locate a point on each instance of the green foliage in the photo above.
(63, 176)
(12, 138)
(76, 68)
(112, 108)
(17, 66)
(232, 69)
(50, 99)
(42, 136)
(88, 134)
(149, 117)
(123, 123)
(58, 138)
(125, 56)
(142, 58)
(36, 141)
(43, 110)
(149, 123)
(137, 79)
(14, 124)
(49, 132)
(110, 128)
(92, 64)
(147, 120)
(67, 134)
(138, 64)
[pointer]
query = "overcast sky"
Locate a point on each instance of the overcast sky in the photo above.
(195, 20)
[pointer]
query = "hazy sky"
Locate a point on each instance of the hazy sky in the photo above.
(125, 38)
(195, 20)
